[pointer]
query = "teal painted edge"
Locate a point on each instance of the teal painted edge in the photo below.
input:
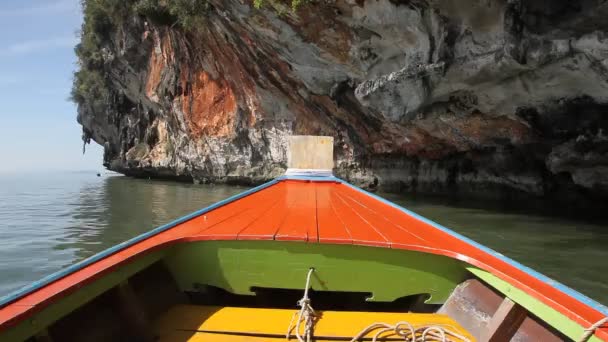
(551, 282)
(11, 297)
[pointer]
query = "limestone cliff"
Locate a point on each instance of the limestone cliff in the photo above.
(481, 97)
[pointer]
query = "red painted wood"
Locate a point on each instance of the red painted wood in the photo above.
(247, 213)
(377, 220)
(361, 231)
(300, 223)
(332, 228)
(313, 212)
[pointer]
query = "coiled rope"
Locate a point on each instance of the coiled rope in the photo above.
(306, 314)
(591, 330)
(424, 333)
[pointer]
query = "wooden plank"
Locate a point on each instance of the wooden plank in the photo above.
(300, 223)
(361, 231)
(245, 215)
(506, 321)
(391, 230)
(331, 228)
(472, 304)
(307, 152)
(188, 336)
(254, 321)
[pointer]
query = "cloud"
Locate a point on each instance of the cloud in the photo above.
(48, 7)
(29, 46)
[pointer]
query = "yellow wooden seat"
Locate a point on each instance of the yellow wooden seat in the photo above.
(231, 324)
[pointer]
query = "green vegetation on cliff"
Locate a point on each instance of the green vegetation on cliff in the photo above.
(185, 13)
(90, 85)
(101, 19)
(294, 3)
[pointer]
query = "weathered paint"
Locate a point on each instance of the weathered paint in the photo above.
(236, 266)
(65, 305)
(544, 312)
(310, 153)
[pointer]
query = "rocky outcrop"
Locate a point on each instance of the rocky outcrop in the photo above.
(475, 97)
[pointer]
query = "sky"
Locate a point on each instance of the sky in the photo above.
(38, 128)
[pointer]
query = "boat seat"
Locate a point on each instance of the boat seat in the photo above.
(231, 324)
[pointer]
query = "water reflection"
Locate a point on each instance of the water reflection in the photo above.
(123, 208)
(48, 222)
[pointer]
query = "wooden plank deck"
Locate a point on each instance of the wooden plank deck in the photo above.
(209, 323)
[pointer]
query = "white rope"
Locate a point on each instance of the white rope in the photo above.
(425, 333)
(591, 330)
(306, 314)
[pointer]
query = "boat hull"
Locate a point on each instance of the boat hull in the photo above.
(269, 236)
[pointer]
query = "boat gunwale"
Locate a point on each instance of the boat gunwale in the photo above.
(32, 288)
(539, 276)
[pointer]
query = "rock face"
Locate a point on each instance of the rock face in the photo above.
(475, 97)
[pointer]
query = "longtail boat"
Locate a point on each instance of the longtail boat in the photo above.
(307, 257)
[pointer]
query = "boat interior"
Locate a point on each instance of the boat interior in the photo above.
(249, 291)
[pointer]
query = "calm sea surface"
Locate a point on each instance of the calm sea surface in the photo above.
(49, 221)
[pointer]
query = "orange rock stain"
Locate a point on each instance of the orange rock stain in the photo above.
(158, 62)
(209, 105)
